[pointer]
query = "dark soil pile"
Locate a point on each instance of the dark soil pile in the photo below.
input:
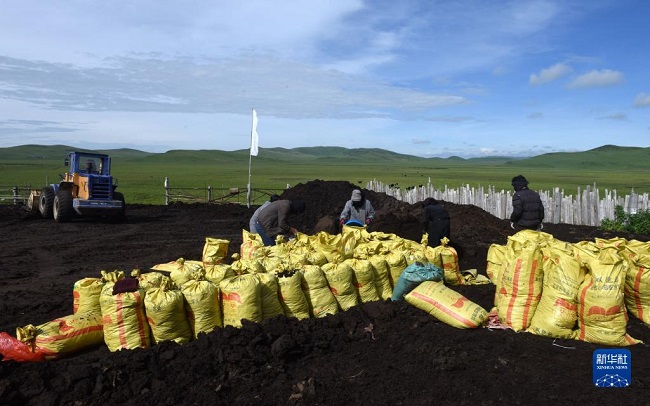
(381, 353)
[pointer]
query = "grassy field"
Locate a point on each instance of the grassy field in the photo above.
(141, 174)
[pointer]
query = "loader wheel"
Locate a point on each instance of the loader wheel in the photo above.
(62, 209)
(46, 202)
(121, 214)
(32, 202)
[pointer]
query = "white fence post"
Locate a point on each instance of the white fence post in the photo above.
(166, 191)
(587, 208)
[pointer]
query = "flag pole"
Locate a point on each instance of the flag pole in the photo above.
(248, 194)
(252, 151)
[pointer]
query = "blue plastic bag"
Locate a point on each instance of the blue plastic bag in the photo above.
(413, 275)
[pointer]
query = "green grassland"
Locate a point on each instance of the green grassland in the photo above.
(141, 174)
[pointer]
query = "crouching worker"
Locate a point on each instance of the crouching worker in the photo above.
(357, 211)
(527, 206)
(257, 213)
(273, 220)
(437, 223)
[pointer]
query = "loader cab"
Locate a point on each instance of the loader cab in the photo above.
(91, 167)
(86, 164)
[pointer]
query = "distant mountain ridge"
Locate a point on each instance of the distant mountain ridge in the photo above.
(601, 157)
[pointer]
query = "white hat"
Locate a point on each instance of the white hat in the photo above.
(356, 195)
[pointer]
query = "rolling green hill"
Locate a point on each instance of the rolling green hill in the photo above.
(59, 152)
(141, 174)
(607, 156)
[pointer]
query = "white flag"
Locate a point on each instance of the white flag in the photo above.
(254, 137)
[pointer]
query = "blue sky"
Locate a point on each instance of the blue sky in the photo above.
(429, 78)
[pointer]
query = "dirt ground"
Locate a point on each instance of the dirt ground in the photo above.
(408, 358)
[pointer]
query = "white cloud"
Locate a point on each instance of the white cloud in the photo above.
(615, 116)
(450, 119)
(642, 100)
(550, 74)
(74, 30)
(597, 78)
(500, 71)
(420, 141)
(278, 87)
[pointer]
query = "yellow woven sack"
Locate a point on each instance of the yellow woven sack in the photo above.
(355, 230)
(372, 247)
(241, 298)
(432, 254)
(557, 311)
(415, 254)
(267, 258)
(271, 306)
(340, 278)
(218, 272)
(496, 262)
(165, 267)
(203, 307)
(321, 299)
(637, 279)
(348, 243)
(64, 335)
(85, 296)
(186, 270)
(617, 243)
(472, 277)
(396, 260)
(602, 317)
(364, 279)
(314, 257)
(447, 305)
(520, 285)
(124, 320)
(292, 297)
(165, 308)
(371, 251)
(250, 243)
(214, 251)
(384, 237)
(148, 280)
(179, 270)
(329, 245)
(294, 259)
(449, 259)
(382, 276)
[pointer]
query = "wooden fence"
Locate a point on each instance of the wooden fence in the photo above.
(209, 194)
(585, 208)
(14, 194)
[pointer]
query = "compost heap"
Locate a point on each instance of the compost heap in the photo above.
(338, 352)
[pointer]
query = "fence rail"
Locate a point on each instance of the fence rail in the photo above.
(585, 208)
(209, 194)
(13, 194)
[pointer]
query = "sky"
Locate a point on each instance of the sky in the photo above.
(430, 78)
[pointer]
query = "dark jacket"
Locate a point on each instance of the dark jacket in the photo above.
(527, 209)
(436, 223)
